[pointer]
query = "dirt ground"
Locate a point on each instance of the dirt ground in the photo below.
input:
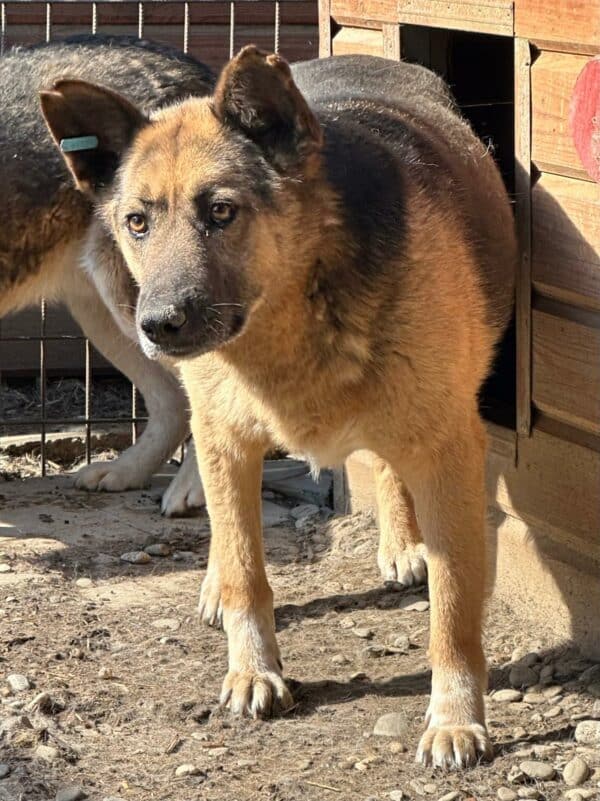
(124, 680)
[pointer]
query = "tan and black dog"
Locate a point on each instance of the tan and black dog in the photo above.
(329, 254)
(44, 222)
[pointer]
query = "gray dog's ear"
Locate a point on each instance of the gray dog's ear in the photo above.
(257, 95)
(93, 127)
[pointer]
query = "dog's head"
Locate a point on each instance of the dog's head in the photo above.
(199, 197)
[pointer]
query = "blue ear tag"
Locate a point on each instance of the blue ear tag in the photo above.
(76, 143)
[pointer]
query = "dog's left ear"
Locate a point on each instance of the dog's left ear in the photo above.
(93, 127)
(257, 95)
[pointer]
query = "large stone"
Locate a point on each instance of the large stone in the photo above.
(522, 676)
(576, 772)
(507, 696)
(541, 771)
(392, 724)
(588, 732)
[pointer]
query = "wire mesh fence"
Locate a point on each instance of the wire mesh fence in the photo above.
(52, 381)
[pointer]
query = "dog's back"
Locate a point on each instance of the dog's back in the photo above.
(411, 114)
(39, 206)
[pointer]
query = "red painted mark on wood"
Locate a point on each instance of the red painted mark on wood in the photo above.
(585, 117)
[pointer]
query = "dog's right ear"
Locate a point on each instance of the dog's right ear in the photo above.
(93, 127)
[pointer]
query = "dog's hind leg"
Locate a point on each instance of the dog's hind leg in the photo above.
(168, 419)
(185, 493)
(401, 554)
(449, 492)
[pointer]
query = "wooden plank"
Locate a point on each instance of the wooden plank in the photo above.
(358, 40)
(553, 78)
(555, 486)
(522, 67)
(391, 41)
(564, 21)
(566, 240)
(324, 28)
(367, 10)
(566, 370)
(493, 16)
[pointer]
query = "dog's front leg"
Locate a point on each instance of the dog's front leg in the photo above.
(232, 474)
(448, 489)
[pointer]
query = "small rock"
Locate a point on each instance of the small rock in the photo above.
(340, 659)
(375, 651)
(136, 557)
(402, 643)
(519, 733)
(522, 676)
(451, 796)
(596, 710)
(4, 568)
(359, 676)
(105, 559)
(507, 696)
(397, 748)
(17, 682)
(363, 633)
(397, 795)
(553, 712)
(74, 793)
(594, 689)
(430, 789)
(588, 732)
(347, 623)
(84, 583)
(581, 794)
(576, 772)
(187, 770)
(170, 623)
(4, 770)
(392, 724)
(591, 675)
(105, 672)
(47, 752)
(412, 603)
(552, 692)
(506, 794)
(158, 549)
(537, 770)
(183, 556)
(546, 672)
(417, 786)
(529, 792)
(516, 775)
(534, 698)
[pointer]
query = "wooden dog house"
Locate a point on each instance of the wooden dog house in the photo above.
(524, 72)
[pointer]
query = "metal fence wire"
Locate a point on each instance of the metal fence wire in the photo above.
(210, 30)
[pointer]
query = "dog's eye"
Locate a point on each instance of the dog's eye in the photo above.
(222, 213)
(137, 224)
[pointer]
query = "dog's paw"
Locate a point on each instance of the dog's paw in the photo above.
(404, 564)
(184, 496)
(259, 695)
(115, 476)
(210, 607)
(454, 746)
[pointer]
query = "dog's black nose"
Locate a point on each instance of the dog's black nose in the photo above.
(163, 325)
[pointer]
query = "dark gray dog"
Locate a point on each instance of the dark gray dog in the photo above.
(44, 223)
